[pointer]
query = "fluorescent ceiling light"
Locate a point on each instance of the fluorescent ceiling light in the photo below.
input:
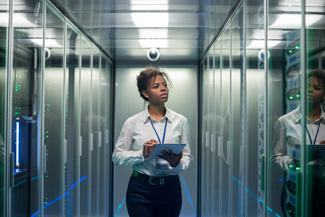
(272, 34)
(149, 2)
(293, 21)
(259, 44)
(152, 37)
(149, 43)
(149, 5)
(19, 20)
(151, 20)
(153, 33)
(49, 43)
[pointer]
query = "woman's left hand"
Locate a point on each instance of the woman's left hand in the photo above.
(173, 159)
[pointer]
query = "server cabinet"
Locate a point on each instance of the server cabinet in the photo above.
(25, 71)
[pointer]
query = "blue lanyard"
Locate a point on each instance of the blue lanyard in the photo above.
(156, 131)
(315, 135)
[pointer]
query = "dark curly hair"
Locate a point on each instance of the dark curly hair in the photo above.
(144, 77)
(319, 75)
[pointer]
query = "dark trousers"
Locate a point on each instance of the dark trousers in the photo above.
(146, 200)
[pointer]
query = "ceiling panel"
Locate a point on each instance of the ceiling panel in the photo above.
(124, 29)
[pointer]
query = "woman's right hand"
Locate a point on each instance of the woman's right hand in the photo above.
(148, 146)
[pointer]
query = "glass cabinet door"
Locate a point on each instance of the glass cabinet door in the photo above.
(105, 157)
(72, 122)
(284, 97)
(54, 115)
(254, 110)
(3, 86)
(235, 187)
(314, 95)
(204, 199)
(215, 126)
(95, 125)
(26, 70)
(224, 176)
(85, 127)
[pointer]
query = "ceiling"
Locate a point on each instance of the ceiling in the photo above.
(126, 29)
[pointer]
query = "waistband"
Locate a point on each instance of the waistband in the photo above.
(154, 180)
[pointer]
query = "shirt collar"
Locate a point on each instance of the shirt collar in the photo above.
(298, 116)
(146, 116)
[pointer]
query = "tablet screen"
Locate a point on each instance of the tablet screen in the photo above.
(176, 148)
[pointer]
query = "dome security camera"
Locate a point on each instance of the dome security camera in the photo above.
(153, 54)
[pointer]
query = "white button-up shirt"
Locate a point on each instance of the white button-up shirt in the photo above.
(287, 134)
(137, 130)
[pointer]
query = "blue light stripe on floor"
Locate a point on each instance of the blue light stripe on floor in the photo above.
(74, 185)
(119, 207)
(60, 197)
(188, 195)
(36, 213)
(258, 199)
(83, 178)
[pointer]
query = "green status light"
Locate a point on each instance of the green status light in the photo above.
(298, 168)
(291, 97)
(297, 47)
(298, 95)
(290, 51)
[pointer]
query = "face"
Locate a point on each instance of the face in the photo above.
(157, 90)
(315, 91)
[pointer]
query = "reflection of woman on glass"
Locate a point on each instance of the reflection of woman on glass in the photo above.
(154, 187)
(288, 127)
(287, 139)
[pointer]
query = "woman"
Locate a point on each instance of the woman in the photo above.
(287, 143)
(154, 187)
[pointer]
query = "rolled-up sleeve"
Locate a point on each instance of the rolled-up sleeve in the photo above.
(123, 154)
(187, 158)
